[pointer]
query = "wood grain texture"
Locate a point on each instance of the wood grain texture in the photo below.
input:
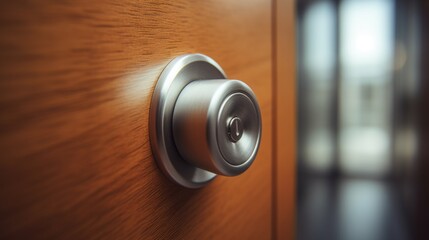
(285, 115)
(76, 78)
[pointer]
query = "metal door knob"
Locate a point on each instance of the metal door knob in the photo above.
(202, 124)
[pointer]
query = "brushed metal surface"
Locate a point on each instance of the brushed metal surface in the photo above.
(193, 105)
(177, 74)
(241, 105)
(200, 125)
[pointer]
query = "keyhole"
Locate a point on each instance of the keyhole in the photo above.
(235, 129)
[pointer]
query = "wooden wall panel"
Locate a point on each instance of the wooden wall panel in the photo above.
(76, 78)
(285, 116)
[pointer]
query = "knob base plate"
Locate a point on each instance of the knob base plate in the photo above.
(177, 74)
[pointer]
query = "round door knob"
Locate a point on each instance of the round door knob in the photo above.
(202, 124)
(216, 125)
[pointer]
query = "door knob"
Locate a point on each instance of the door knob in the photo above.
(202, 124)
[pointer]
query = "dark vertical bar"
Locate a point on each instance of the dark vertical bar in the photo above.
(422, 174)
(274, 118)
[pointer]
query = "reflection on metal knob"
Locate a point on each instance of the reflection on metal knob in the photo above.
(202, 127)
(202, 124)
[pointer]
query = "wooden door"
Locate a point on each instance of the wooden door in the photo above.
(76, 79)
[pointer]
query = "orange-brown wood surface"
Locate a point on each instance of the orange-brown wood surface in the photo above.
(76, 78)
(284, 119)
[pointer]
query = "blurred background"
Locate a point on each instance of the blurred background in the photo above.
(362, 109)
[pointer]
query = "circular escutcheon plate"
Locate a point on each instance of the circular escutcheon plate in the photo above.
(177, 74)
